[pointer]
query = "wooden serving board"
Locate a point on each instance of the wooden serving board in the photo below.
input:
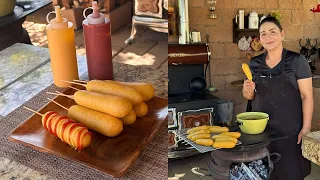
(110, 155)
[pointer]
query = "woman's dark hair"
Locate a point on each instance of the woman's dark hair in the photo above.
(271, 19)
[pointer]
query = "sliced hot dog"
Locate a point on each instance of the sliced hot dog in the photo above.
(67, 130)
(100, 122)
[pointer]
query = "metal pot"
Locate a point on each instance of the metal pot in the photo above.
(198, 84)
(7, 7)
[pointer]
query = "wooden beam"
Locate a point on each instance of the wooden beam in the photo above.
(66, 4)
(108, 5)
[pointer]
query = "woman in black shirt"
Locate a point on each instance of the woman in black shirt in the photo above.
(282, 88)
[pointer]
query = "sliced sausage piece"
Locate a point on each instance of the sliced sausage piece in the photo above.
(67, 130)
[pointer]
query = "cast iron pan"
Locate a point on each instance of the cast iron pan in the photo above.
(198, 84)
(251, 142)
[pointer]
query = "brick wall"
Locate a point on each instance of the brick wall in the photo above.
(298, 22)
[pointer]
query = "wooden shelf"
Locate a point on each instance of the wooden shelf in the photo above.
(239, 33)
(173, 39)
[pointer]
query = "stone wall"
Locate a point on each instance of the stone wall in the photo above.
(298, 22)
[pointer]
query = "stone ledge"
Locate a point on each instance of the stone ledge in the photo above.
(311, 147)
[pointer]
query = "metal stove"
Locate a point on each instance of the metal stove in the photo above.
(255, 163)
(249, 160)
(187, 108)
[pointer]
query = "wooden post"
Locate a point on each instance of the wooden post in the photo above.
(66, 4)
(107, 5)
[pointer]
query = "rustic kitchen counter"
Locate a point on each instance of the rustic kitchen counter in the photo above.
(311, 147)
(316, 112)
(316, 83)
(26, 87)
(311, 142)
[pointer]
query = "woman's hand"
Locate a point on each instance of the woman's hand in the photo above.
(303, 132)
(249, 86)
(248, 89)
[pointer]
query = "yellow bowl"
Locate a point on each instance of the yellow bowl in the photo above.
(252, 122)
(6, 7)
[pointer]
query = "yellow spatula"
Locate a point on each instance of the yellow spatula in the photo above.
(247, 71)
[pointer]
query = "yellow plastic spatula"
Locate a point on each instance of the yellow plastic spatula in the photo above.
(247, 71)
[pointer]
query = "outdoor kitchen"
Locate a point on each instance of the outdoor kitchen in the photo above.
(208, 43)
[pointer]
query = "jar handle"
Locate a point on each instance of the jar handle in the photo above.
(47, 17)
(84, 12)
(240, 123)
(277, 157)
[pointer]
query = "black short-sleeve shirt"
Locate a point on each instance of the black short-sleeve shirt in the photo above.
(296, 67)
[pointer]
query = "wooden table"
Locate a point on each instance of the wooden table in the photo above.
(11, 30)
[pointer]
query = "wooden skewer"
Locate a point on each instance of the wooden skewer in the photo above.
(74, 88)
(33, 111)
(60, 94)
(81, 81)
(74, 83)
(53, 93)
(57, 104)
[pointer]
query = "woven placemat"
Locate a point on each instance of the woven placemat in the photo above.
(151, 164)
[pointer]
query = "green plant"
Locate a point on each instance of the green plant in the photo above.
(277, 15)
